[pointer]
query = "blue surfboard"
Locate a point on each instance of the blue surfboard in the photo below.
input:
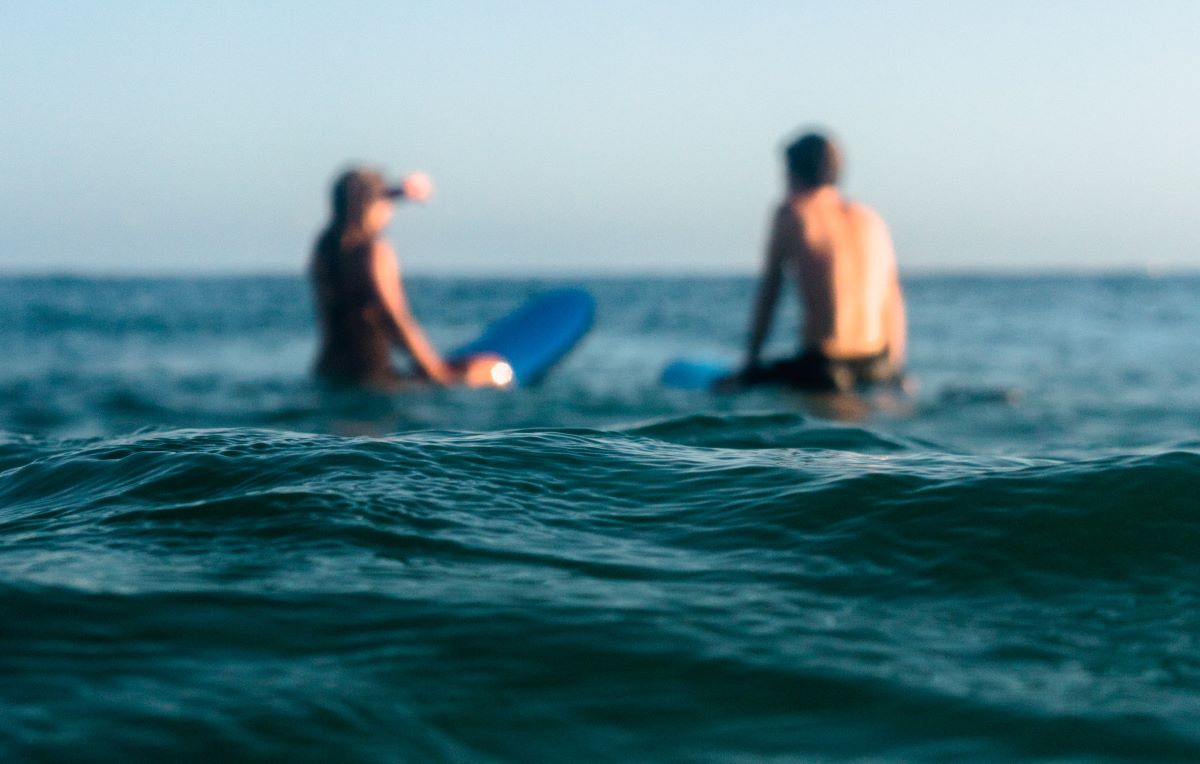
(536, 335)
(695, 373)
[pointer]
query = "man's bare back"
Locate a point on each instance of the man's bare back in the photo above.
(840, 254)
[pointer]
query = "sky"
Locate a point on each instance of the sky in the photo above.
(595, 137)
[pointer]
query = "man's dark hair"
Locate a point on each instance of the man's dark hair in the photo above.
(812, 160)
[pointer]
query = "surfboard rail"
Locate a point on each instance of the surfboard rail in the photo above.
(537, 335)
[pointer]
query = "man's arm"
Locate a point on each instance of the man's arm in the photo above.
(768, 293)
(895, 319)
(385, 272)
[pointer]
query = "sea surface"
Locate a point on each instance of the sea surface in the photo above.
(204, 556)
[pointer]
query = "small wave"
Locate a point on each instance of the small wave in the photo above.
(885, 517)
(769, 430)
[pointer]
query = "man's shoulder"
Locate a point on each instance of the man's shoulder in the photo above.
(860, 211)
(866, 219)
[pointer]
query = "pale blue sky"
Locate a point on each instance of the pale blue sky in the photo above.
(597, 136)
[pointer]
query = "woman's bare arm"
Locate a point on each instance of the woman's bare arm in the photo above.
(385, 273)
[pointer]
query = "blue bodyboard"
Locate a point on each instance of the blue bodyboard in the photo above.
(536, 335)
(694, 373)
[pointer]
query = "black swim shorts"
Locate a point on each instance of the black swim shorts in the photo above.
(815, 371)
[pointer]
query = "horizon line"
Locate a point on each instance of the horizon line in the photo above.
(1155, 270)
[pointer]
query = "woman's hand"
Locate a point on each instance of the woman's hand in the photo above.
(485, 370)
(417, 187)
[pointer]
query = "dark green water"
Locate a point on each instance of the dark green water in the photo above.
(202, 556)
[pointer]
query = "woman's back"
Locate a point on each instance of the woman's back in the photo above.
(354, 331)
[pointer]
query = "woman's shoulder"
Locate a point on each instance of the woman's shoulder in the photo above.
(381, 259)
(380, 248)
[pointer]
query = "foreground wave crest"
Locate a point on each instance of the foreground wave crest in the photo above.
(703, 586)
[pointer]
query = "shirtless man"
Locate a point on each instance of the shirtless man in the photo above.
(840, 254)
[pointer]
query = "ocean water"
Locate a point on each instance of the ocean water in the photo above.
(205, 556)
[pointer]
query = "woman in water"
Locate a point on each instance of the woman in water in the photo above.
(360, 301)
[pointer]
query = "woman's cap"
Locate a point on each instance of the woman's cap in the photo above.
(359, 186)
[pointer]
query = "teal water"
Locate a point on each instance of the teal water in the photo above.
(203, 555)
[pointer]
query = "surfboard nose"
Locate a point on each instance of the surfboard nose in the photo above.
(502, 374)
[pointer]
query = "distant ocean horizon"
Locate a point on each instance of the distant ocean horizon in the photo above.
(1151, 269)
(203, 553)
